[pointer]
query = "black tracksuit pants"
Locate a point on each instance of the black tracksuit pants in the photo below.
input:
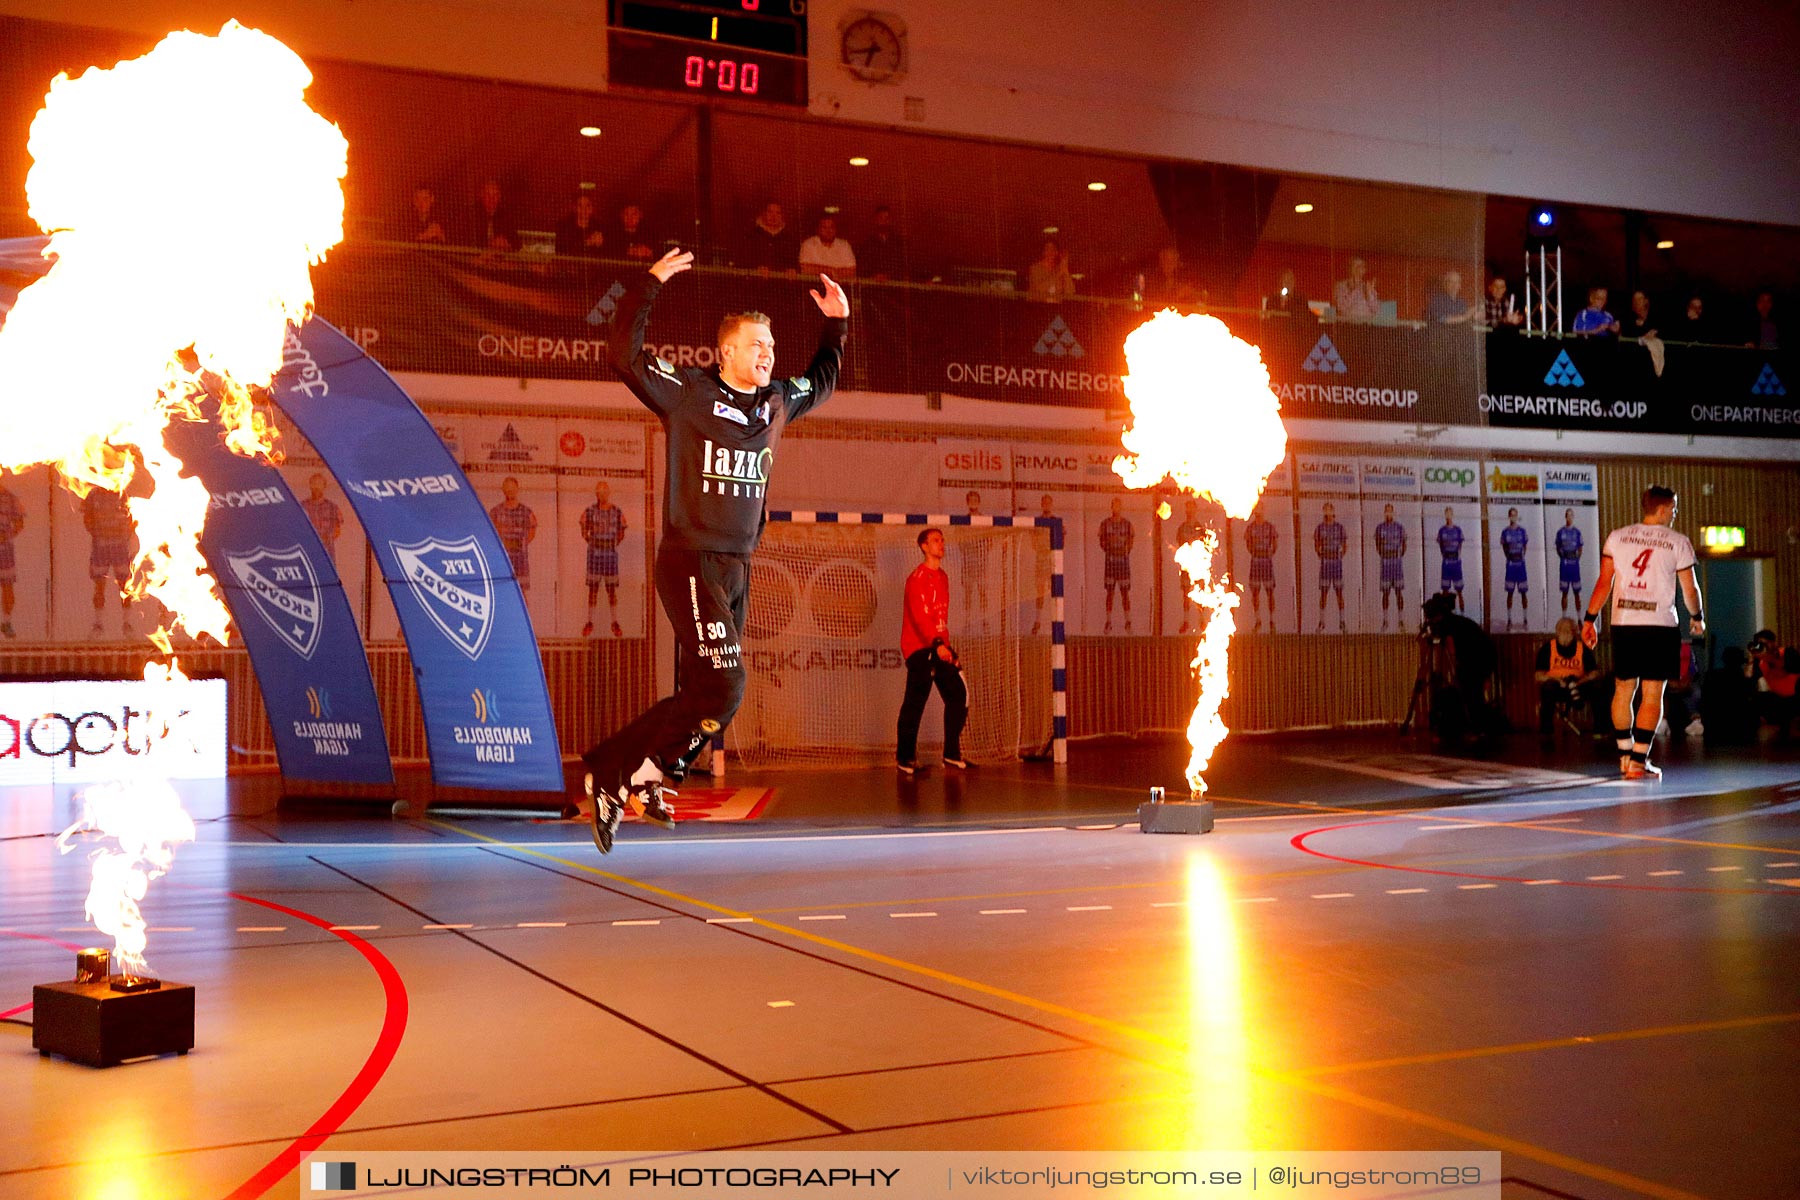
(706, 596)
(923, 669)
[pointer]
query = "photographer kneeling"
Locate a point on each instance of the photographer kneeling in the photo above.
(1568, 677)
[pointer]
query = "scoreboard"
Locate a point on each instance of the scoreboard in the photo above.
(751, 50)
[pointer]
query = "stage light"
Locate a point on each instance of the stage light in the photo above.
(859, 161)
(590, 131)
(1665, 244)
(1052, 229)
(833, 210)
(1096, 186)
(1303, 208)
(1543, 218)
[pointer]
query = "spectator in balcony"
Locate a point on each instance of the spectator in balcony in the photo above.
(578, 234)
(1765, 332)
(1288, 300)
(1446, 305)
(492, 227)
(770, 245)
(1048, 279)
(1169, 283)
(1354, 299)
(825, 253)
(424, 225)
(1639, 324)
(1694, 325)
(883, 255)
(631, 237)
(1594, 320)
(1502, 310)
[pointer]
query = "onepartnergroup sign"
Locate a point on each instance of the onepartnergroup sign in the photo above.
(89, 730)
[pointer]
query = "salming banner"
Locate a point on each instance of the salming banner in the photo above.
(289, 607)
(481, 682)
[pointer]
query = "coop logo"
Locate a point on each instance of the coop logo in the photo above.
(284, 591)
(247, 498)
(1562, 372)
(90, 730)
(735, 472)
(302, 368)
(333, 1176)
(1460, 476)
(450, 582)
(1058, 340)
(1325, 357)
(413, 485)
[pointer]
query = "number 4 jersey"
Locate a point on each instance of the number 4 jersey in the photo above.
(1646, 561)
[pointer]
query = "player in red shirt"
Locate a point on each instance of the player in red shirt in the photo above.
(925, 644)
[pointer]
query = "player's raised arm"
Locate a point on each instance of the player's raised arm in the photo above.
(650, 379)
(820, 379)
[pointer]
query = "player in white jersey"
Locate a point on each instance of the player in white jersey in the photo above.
(1640, 569)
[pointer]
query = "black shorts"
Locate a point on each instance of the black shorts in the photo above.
(1646, 652)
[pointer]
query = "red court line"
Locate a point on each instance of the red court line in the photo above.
(387, 1042)
(1298, 841)
(32, 937)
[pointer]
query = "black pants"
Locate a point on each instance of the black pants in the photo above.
(706, 596)
(1594, 695)
(923, 669)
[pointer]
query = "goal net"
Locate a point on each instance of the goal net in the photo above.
(822, 642)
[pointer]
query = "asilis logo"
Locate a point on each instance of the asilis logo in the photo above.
(333, 1176)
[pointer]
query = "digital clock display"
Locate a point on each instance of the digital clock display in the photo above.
(702, 68)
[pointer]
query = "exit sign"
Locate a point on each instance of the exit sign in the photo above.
(1721, 539)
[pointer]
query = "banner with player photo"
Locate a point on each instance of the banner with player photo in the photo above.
(1518, 600)
(1452, 504)
(1331, 576)
(289, 609)
(1263, 558)
(1393, 548)
(488, 721)
(1573, 536)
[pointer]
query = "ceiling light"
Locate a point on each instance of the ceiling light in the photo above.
(833, 209)
(1302, 208)
(1665, 244)
(590, 131)
(1052, 229)
(1096, 186)
(859, 161)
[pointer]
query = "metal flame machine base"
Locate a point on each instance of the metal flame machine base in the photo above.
(95, 1024)
(1161, 815)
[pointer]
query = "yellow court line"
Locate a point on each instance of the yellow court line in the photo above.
(1623, 1035)
(1174, 884)
(1468, 1133)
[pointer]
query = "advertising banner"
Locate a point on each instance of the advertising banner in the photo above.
(1330, 525)
(1515, 518)
(488, 720)
(1393, 549)
(289, 608)
(1452, 534)
(1573, 537)
(92, 730)
(1263, 559)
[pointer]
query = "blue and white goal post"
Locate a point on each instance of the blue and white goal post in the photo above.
(769, 569)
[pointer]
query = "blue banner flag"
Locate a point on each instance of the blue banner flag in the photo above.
(289, 608)
(481, 681)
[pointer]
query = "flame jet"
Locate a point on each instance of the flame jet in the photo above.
(1202, 415)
